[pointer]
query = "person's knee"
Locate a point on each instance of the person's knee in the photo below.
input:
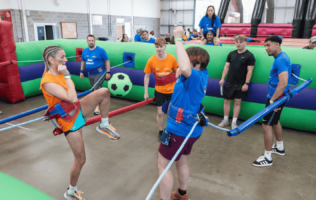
(81, 159)
(227, 101)
(105, 92)
(160, 113)
(237, 102)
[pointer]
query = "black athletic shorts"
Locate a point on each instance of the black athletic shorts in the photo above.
(272, 118)
(233, 91)
(161, 98)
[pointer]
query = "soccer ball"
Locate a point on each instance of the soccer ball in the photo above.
(120, 84)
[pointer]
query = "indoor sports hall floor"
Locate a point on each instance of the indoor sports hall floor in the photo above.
(220, 167)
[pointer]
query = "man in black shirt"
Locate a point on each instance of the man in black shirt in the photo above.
(312, 43)
(239, 66)
(167, 38)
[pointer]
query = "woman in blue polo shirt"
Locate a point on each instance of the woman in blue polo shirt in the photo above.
(210, 22)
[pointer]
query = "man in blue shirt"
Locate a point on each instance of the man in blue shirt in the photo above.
(189, 90)
(210, 40)
(95, 58)
(138, 37)
(146, 38)
(280, 74)
(194, 35)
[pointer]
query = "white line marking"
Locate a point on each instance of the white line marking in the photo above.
(19, 127)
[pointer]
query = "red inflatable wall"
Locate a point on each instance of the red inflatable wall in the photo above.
(284, 30)
(233, 29)
(10, 83)
(314, 30)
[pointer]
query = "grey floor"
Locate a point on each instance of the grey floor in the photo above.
(220, 167)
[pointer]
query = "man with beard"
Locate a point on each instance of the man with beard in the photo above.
(146, 38)
(97, 62)
(162, 65)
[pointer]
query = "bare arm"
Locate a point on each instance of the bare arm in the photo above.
(249, 74)
(146, 83)
(83, 65)
(183, 59)
(283, 80)
(217, 32)
(201, 31)
(107, 65)
(225, 71)
(59, 92)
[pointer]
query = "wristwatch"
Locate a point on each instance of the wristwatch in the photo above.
(247, 83)
(108, 72)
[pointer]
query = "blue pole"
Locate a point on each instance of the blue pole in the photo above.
(14, 117)
(242, 127)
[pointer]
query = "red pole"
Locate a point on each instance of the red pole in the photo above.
(120, 111)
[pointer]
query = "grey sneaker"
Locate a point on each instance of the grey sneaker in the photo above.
(75, 196)
(234, 125)
(109, 131)
(224, 123)
(277, 151)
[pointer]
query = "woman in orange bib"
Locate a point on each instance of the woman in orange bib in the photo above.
(58, 89)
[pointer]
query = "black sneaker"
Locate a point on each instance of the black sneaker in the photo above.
(277, 151)
(159, 136)
(262, 161)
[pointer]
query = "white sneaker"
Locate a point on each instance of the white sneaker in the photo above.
(262, 161)
(234, 125)
(224, 123)
(97, 111)
(277, 151)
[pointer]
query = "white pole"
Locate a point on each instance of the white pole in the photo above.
(90, 18)
(25, 22)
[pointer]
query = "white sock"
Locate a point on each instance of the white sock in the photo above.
(267, 154)
(280, 145)
(72, 190)
(235, 120)
(226, 118)
(105, 122)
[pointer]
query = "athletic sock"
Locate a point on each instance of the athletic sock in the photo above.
(105, 122)
(267, 154)
(72, 190)
(280, 145)
(226, 118)
(235, 120)
(182, 192)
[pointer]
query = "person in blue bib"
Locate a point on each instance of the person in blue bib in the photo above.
(194, 35)
(210, 22)
(210, 39)
(279, 79)
(189, 90)
(96, 61)
(138, 37)
(146, 38)
(271, 34)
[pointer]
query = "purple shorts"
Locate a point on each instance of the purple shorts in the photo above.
(175, 142)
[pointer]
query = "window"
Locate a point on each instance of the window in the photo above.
(46, 31)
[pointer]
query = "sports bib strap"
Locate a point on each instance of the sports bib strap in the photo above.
(165, 80)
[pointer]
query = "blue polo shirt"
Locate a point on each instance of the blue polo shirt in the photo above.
(95, 59)
(212, 44)
(193, 36)
(137, 38)
(281, 64)
(188, 94)
(250, 39)
(151, 40)
(206, 24)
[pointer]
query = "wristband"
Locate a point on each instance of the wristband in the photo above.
(67, 76)
(178, 39)
(81, 71)
(108, 72)
(271, 102)
(247, 83)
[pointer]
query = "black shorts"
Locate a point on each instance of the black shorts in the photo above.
(161, 98)
(233, 91)
(272, 118)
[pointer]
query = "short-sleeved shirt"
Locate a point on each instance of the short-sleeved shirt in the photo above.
(250, 39)
(162, 68)
(52, 100)
(188, 95)
(167, 39)
(137, 38)
(239, 63)
(307, 47)
(212, 44)
(282, 63)
(151, 40)
(206, 24)
(197, 36)
(94, 59)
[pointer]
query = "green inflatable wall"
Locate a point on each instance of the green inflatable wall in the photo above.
(291, 117)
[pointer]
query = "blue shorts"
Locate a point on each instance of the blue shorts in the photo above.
(79, 123)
